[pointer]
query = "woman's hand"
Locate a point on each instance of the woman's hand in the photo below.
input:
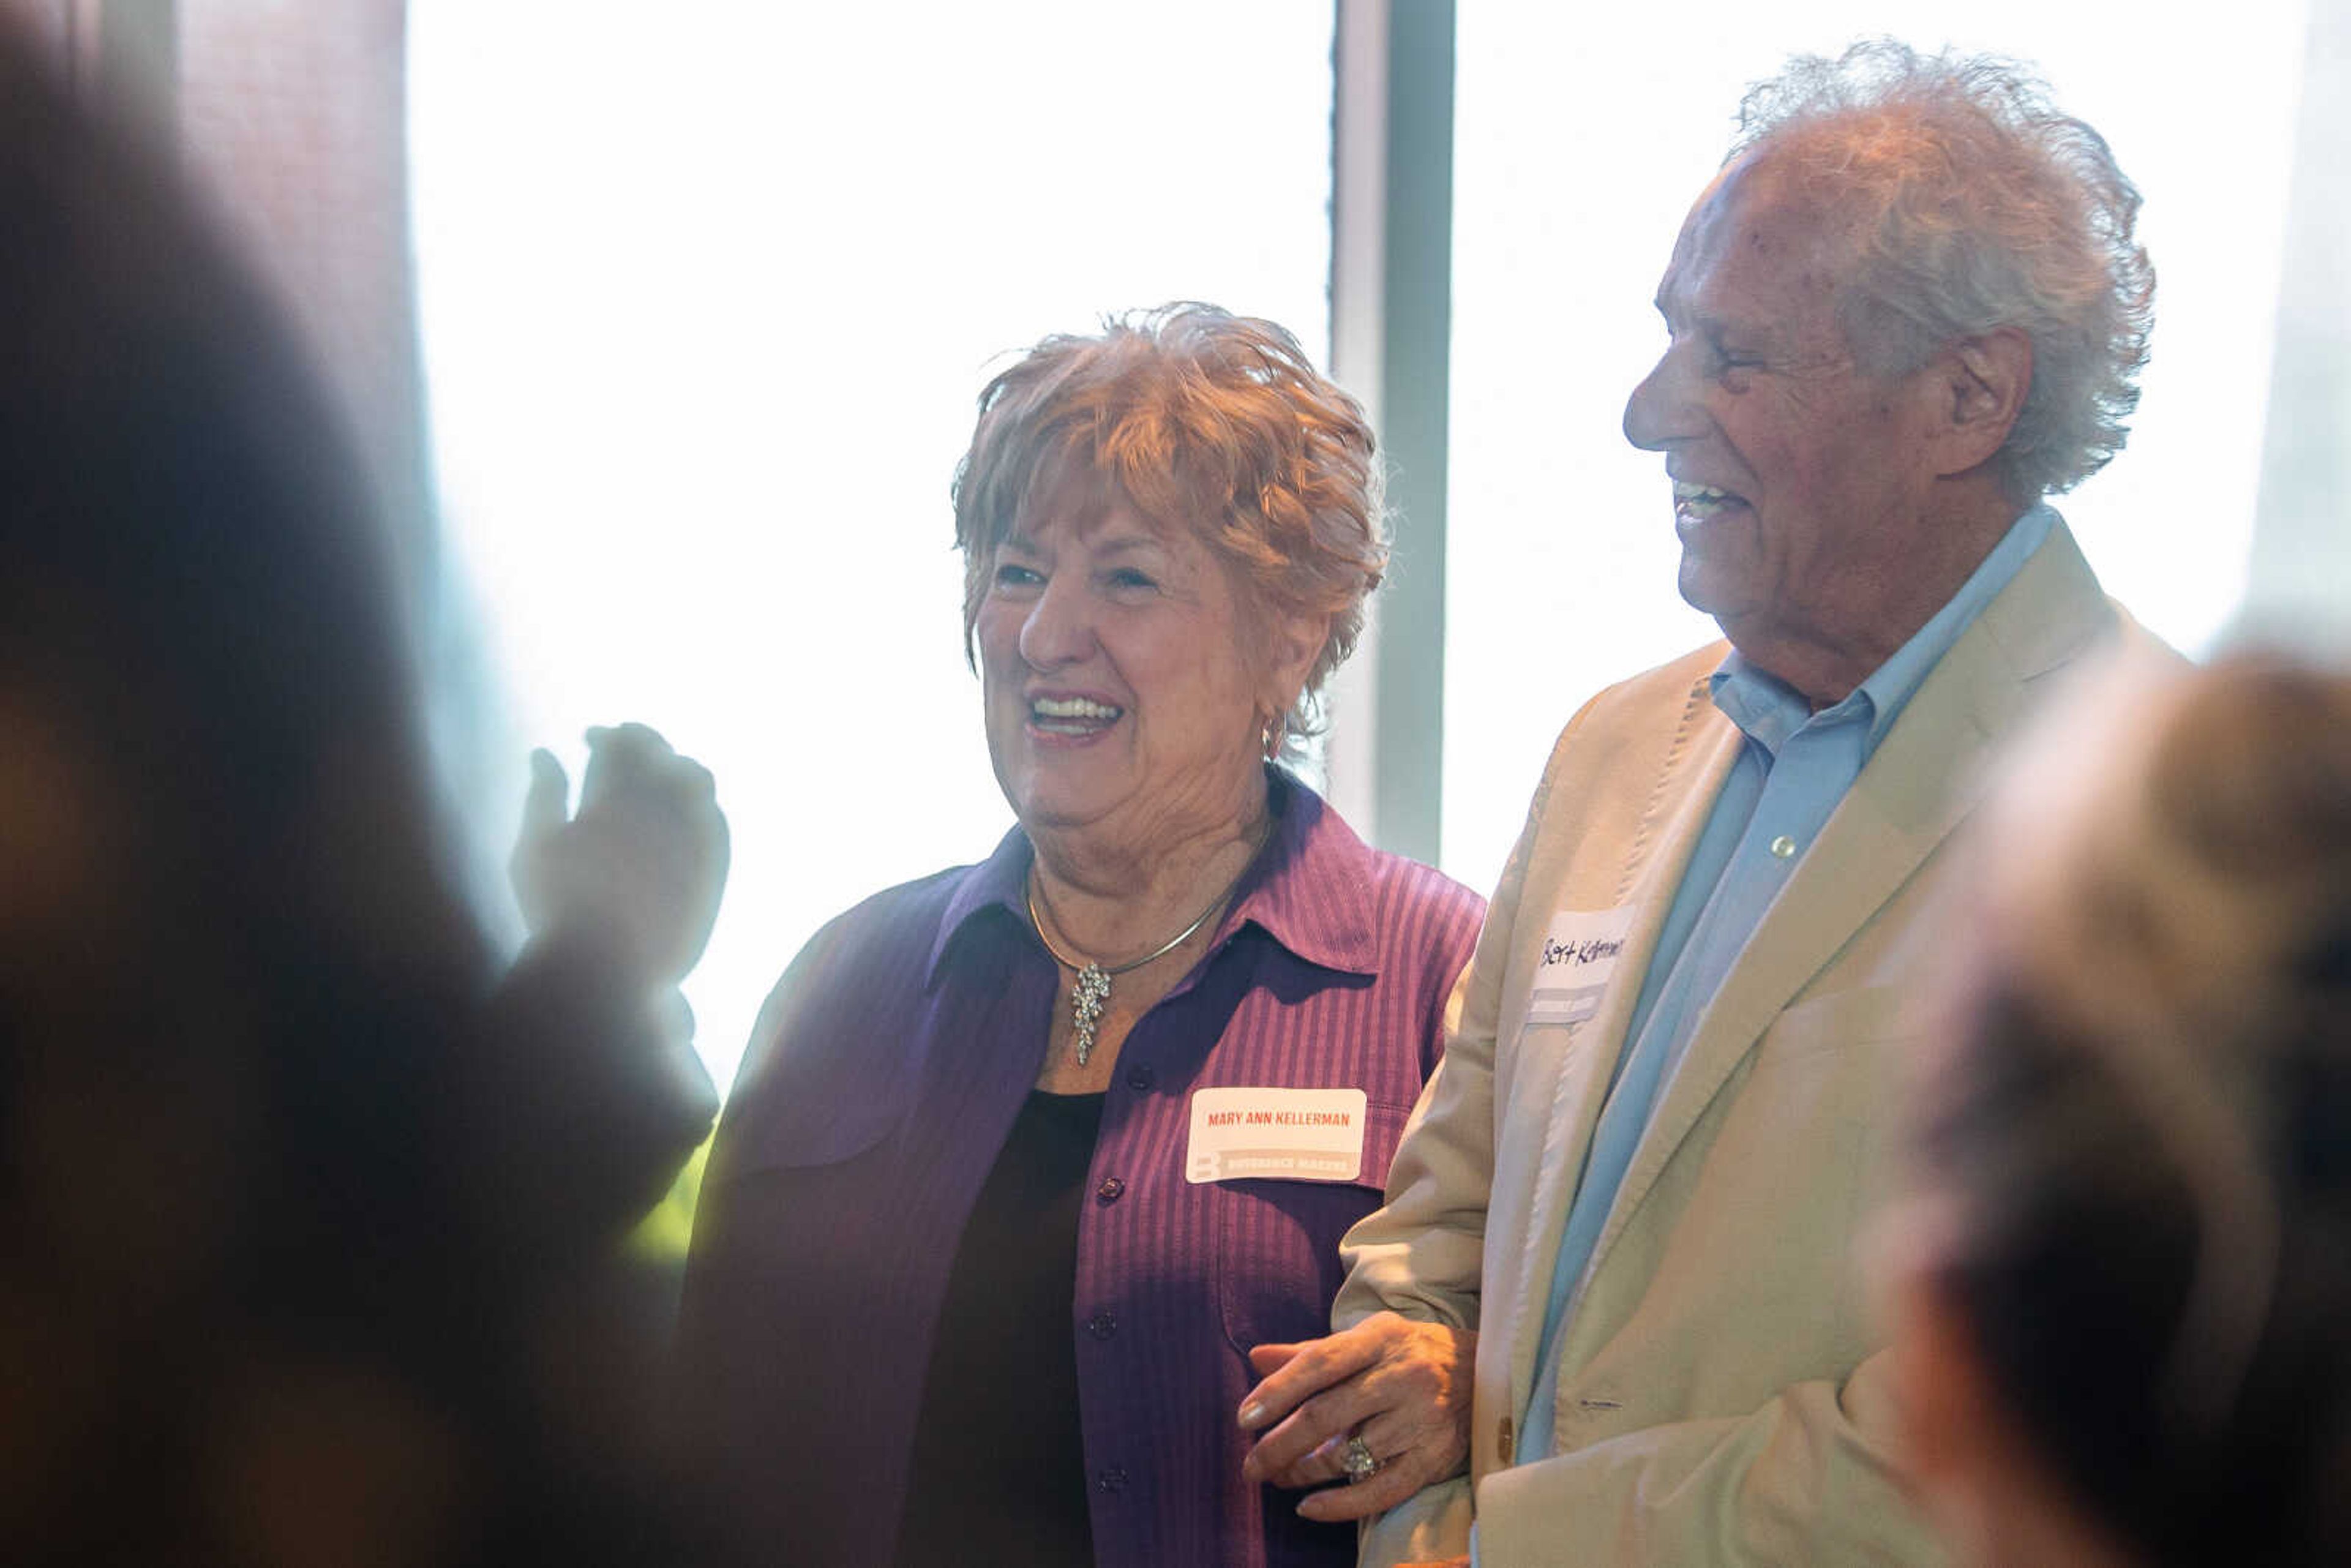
(642, 864)
(1403, 1387)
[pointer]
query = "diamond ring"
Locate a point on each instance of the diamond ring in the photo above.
(1359, 1463)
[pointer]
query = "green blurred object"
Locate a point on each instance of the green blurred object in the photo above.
(662, 1235)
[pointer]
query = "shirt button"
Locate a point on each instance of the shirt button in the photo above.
(1101, 1325)
(1110, 1478)
(1140, 1079)
(1110, 1191)
(1784, 846)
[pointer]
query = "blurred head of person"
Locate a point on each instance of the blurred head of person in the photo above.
(1169, 532)
(2122, 1281)
(214, 830)
(257, 1300)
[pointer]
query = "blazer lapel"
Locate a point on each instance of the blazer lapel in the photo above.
(1926, 777)
(1582, 1066)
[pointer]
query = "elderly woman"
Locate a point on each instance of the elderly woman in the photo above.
(2123, 1279)
(1025, 1156)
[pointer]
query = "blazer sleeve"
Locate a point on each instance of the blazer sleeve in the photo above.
(1421, 1253)
(1804, 1480)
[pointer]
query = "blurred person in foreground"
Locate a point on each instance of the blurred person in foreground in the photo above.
(1908, 309)
(1025, 1156)
(307, 1216)
(2122, 1278)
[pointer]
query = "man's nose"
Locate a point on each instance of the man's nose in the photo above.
(1662, 409)
(1060, 628)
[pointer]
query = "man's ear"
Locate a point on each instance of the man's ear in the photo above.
(1980, 386)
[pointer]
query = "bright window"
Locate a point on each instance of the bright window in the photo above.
(708, 290)
(1582, 135)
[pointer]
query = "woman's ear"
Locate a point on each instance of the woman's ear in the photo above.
(1296, 642)
(1287, 648)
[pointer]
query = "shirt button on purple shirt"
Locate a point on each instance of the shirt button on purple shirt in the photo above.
(1101, 1325)
(1112, 1479)
(1110, 1190)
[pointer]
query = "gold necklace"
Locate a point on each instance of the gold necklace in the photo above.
(1091, 993)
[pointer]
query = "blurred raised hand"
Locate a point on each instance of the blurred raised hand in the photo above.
(640, 867)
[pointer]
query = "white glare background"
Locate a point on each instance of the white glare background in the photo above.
(708, 290)
(1585, 132)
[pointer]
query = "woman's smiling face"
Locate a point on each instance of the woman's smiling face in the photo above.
(1122, 677)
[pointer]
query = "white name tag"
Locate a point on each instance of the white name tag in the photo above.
(1286, 1134)
(1580, 952)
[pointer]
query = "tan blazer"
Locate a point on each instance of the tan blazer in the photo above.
(1720, 1399)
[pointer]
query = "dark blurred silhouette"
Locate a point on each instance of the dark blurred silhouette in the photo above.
(2124, 1281)
(307, 1213)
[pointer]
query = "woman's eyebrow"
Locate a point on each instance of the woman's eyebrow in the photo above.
(1127, 544)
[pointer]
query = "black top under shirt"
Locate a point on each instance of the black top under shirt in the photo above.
(1000, 1465)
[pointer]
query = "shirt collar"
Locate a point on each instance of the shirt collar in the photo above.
(996, 888)
(1769, 710)
(1310, 888)
(1760, 703)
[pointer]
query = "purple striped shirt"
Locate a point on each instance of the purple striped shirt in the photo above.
(884, 1077)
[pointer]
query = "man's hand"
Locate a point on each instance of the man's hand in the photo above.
(642, 864)
(1403, 1387)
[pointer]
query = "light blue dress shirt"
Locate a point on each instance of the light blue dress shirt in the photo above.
(1793, 769)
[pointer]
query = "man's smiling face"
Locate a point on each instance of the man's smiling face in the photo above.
(1801, 480)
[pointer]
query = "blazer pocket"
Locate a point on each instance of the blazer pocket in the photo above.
(1278, 1241)
(1859, 1015)
(1833, 1062)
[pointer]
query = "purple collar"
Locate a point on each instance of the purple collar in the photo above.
(1310, 888)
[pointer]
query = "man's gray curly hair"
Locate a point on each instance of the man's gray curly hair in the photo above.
(1976, 206)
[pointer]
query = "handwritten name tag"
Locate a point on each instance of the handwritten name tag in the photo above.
(1286, 1135)
(1580, 952)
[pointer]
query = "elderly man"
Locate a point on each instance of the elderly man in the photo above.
(1908, 308)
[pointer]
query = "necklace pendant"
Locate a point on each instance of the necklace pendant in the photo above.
(1087, 995)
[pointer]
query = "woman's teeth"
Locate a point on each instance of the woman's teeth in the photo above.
(1071, 716)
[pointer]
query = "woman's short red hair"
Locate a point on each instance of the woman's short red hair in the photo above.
(1205, 422)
